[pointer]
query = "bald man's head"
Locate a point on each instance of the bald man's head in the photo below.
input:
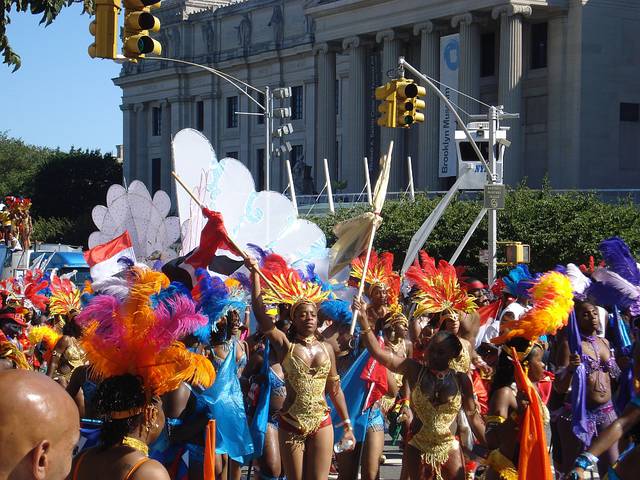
(39, 427)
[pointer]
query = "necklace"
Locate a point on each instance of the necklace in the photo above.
(440, 374)
(308, 341)
(136, 444)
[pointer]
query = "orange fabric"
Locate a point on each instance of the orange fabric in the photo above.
(533, 460)
(210, 451)
(481, 391)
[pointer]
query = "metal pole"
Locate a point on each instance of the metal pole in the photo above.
(412, 193)
(267, 127)
(467, 236)
(328, 185)
(367, 180)
(493, 213)
(292, 189)
(403, 64)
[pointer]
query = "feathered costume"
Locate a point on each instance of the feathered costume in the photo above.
(518, 281)
(215, 298)
(379, 274)
(552, 297)
(288, 286)
(27, 291)
(619, 282)
(139, 335)
(64, 298)
(438, 289)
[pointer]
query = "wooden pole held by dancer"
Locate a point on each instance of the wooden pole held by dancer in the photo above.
(412, 193)
(242, 253)
(329, 188)
(292, 188)
(365, 266)
(367, 179)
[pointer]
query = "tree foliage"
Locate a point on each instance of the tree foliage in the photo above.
(560, 228)
(63, 186)
(49, 9)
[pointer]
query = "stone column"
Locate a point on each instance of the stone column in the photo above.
(425, 167)
(469, 72)
(140, 165)
(509, 83)
(325, 113)
(166, 180)
(354, 123)
(128, 141)
(557, 101)
(390, 52)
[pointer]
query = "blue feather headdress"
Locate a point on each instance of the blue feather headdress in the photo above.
(519, 280)
(338, 311)
(215, 298)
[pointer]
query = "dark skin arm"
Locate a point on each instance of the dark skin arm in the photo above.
(151, 470)
(567, 361)
(56, 355)
(277, 338)
(499, 405)
(405, 366)
(471, 408)
(78, 377)
(334, 391)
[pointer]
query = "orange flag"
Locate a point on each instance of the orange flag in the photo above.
(533, 461)
(210, 451)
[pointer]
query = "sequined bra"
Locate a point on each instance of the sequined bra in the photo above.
(595, 364)
(434, 439)
(309, 407)
(278, 387)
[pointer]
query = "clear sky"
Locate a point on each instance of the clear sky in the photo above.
(60, 96)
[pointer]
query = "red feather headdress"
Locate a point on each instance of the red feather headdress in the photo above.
(379, 274)
(438, 289)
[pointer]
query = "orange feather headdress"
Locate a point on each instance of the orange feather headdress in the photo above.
(552, 296)
(140, 334)
(65, 297)
(379, 274)
(438, 288)
(287, 285)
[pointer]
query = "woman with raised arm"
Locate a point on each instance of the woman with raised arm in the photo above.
(310, 370)
(437, 394)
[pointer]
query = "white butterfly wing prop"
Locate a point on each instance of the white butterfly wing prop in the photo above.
(266, 219)
(146, 219)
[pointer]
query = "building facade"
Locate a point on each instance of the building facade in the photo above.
(569, 67)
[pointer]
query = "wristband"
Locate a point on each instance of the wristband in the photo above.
(585, 460)
(365, 330)
(345, 423)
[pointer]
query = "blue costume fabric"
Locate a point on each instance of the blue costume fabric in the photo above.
(261, 415)
(225, 403)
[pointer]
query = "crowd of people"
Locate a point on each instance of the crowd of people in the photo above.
(277, 373)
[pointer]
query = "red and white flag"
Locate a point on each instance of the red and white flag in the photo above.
(103, 259)
(489, 324)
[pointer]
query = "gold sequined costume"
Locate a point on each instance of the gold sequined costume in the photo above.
(309, 408)
(500, 464)
(462, 363)
(434, 439)
(73, 357)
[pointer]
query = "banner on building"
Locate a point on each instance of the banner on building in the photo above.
(449, 65)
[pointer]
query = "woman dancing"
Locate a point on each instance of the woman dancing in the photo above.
(310, 370)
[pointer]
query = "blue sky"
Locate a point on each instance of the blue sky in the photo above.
(60, 96)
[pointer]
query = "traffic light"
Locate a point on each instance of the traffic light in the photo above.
(387, 95)
(408, 102)
(105, 29)
(138, 22)
(517, 253)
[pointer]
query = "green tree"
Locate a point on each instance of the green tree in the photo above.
(67, 187)
(18, 164)
(49, 10)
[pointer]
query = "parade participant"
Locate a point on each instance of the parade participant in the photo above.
(67, 355)
(310, 370)
(338, 334)
(518, 428)
(133, 348)
(11, 356)
(601, 369)
(437, 394)
(477, 290)
(38, 427)
(382, 284)
(270, 463)
(506, 408)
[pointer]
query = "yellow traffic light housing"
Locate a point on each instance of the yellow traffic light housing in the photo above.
(387, 95)
(105, 29)
(408, 102)
(515, 253)
(138, 22)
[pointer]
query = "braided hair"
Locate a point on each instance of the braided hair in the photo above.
(116, 394)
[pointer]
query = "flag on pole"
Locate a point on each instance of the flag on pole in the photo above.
(103, 260)
(353, 235)
(489, 322)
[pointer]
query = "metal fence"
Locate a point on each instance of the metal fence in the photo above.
(318, 204)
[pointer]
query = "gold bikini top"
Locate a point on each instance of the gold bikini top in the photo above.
(309, 407)
(74, 355)
(434, 439)
(462, 363)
